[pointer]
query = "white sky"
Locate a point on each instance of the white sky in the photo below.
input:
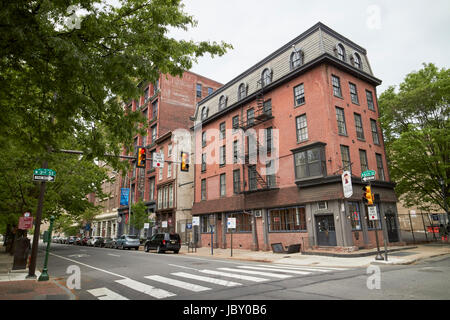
(398, 40)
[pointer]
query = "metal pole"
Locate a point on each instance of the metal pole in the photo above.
(412, 229)
(379, 256)
(44, 275)
(231, 241)
(423, 223)
(212, 244)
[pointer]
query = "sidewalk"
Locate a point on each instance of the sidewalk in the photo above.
(362, 258)
(15, 286)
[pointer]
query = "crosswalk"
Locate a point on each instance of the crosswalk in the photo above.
(206, 280)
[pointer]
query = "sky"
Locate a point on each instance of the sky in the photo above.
(399, 35)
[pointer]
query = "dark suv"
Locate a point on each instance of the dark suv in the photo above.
(164, 242)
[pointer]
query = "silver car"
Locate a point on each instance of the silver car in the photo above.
(128, 241)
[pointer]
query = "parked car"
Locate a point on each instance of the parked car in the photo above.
(164, 242)
(71, 240)
(127, 241)
(63, 240)
(96, 241)
(84, 241)
(108, 242)
(55, 239)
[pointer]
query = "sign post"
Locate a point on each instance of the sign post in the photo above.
(231, 224)
(44, 275)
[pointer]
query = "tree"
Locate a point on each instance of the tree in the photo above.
(139, 215)
(416, 126)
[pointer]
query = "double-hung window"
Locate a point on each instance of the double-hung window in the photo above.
(235, 151)
(299, 95)
(235, 124)
(380, 168)
(237, 181)
(199, 90)
(222, 155)
(250, 116)
(203, 189)
(267, 107)
(302, 128)
(223, 185)
(336, 86)
(370, 103)
(340, 117)
(203, 162)
(363, 160)
(353, 93)
(359, 127)
(222, 130)
(345, 155)
(269, 139)
(373, 125)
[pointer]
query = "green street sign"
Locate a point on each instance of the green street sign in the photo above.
(368, 173)
(44, 172)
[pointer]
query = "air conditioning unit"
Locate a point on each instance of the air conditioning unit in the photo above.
(257, 213)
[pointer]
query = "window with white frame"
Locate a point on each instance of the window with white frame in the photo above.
(302, 128)
(222, 103)
(242, 91)
(266, 77)
(299, 95)
(296, 59)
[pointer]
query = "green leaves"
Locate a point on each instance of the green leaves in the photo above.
(139, 215)
(416, 125)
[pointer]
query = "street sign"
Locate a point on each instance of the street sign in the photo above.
(368, 175)
(366, 179)
(44, 172)
(195, 221)
(231, 223)
(25, 223)
(373, 215)
(347, 184)
(188, 225)
(158, 160)
(146, 225)
(43, 178)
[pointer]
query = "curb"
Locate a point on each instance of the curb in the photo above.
(409, 261)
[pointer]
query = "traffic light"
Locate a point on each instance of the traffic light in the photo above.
(141, 157)
(184, 161)
(367, 196)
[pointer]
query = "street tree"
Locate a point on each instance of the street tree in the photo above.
(139, 215)
(416, 127)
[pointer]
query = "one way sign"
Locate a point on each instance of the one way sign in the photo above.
(43, 178)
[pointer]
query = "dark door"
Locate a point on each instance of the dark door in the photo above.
(391, 226)
(326, 232)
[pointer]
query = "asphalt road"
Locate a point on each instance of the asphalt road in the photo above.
(111, 274)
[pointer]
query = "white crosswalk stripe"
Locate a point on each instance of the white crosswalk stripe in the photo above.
(106, 294)
(276, 269)
(207, 279)
(178, 283)
(267, 274)
(235, 276)
(306, 268)
(145, 288)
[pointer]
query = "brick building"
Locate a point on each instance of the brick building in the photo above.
(168, 105)
(271, 146)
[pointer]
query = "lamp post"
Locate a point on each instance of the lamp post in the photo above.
(44, 275)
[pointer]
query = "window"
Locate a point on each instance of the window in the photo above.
(203, 162)
(373, 125)
(287, 219)
(151, 183)
(242, 91)
(153, 134)
(267, 107)
(302, 128)
(235, 123)
(204, 221)
(210, 91)
(243, 222)
(250, 116)
(357, 61)
(205, 112)
(370, 100)
(340, 52)
(353, 93)
(203, 191)
(363, 160)
(166, 197)
(222, 103)
(269, 139)
(299, 95)
(169, 170)
(235, 151)
(203, 139)
(380, 168)
(160, 173)
(340, 117)
(222, 130)
(170, 196)
(237, 181)
(336, 86)
(169, 151)
(152, 156)
(355, 216)
(252, 178)
(160, 199)
(345, 155)
(322, 205)
(270, 174)
(296, 59)
(154, 109)
(146, 94)
(199, 90)
(310, 163)
(222, 185)
(359, 127)
(266, 77)
(156, 87)
(222, 156)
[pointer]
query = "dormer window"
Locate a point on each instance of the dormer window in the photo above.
(357, 60)
(340, 52)
(266, 77)
(222, 102)
(205, 112)
(296, 59)
(242, 92)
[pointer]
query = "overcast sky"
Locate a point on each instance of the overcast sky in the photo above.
(398, 35)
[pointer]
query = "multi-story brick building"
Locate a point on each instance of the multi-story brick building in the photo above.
(309, 111)
(168, 105)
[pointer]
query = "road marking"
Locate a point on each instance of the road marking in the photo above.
(236, 276)
(310, 267)
(81, 255)
(267, 274)
(106, 294)
(114, 255)
(207, 279)
(178, 283)
(274, 269)
(298, 268)
(175, 265)
(145, 288)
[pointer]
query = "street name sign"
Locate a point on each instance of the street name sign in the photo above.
(373, 215)
(44, 175)
(368, 175)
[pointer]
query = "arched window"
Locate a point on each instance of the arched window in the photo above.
(242, 92)
(296, 59)
(266, 77)
(357, 60)
(340, 52)
(222, 102)
(205, 112)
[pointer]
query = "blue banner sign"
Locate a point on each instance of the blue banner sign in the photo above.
(124, 196)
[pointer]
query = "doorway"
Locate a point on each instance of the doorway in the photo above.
(326, 232)
(391, 226)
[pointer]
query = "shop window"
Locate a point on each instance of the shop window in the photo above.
(287, 220)
(355, 215)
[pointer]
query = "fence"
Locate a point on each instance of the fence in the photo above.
(421, 227)
(185, 233)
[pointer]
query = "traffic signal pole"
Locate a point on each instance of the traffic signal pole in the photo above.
(379, 256)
